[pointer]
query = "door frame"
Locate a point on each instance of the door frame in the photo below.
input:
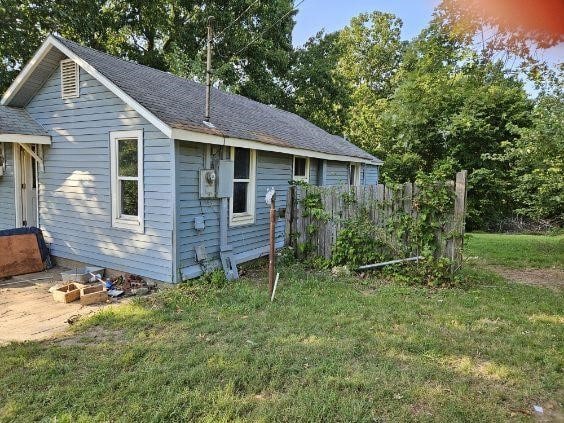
(16, 155)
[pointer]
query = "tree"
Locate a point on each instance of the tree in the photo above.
(371, 53)
(165, 34)
(319, 93)
(537, 161)
(451, 107)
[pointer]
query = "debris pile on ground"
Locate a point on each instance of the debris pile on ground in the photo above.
(130, 285)
(100, 290)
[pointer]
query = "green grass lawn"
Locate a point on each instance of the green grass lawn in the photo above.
(517, 251)
(327, 349)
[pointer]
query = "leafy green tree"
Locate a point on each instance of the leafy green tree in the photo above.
(452, 107)
(371, 53)
(537, 161)
(319, 92)
(165, 34)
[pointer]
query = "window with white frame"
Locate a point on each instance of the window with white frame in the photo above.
(354, 174)
(242, 204)
(301, 169)
(126, 151)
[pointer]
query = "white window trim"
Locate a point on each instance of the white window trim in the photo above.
(300, 178)
(76, 92)
(135, 223)
(247, 218)
(356, 175)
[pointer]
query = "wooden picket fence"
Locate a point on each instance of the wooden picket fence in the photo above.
(341, 203)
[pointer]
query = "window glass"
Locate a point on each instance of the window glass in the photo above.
(242, 162)
(127, 156)
(240, 190)
(299, 166)
(129, 197)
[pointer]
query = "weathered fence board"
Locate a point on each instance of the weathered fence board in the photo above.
(380, 203)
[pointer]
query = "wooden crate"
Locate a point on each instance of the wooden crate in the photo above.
(93, 294)
(67, 293)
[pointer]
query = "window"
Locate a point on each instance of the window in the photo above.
(301, 169)
(242, 203)
(126, 151)
(70, 85)
(354, 174)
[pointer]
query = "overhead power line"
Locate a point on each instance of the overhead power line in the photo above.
(294, 8)
(237, 19)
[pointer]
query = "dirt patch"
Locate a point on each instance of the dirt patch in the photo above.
(548, 278)
(28, 312)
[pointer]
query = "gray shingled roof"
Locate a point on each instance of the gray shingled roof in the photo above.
(179, 103)
(14, 120)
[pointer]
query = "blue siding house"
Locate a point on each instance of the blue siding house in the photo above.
(115, 163)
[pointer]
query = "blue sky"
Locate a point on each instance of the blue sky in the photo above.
(331, 15)
(314, 15)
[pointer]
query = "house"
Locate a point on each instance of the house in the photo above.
(114, 162)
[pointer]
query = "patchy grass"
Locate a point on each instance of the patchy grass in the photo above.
(517, 251)
(327, 349)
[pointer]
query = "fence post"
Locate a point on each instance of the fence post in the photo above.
(459, 217)
(289, 229)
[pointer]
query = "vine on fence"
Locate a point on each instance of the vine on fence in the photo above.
(418, 229)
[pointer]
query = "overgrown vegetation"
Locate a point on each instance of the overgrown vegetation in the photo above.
(327, 349)
(405, 232)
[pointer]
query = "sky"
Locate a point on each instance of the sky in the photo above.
(331, 15)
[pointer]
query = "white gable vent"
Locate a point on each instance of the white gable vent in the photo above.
(69, 79)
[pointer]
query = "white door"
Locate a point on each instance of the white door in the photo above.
(28, 189)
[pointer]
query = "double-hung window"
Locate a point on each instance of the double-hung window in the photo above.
(126, 151)
(301, 169)
(354, 174)
(242, 204)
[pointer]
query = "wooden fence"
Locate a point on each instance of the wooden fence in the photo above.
(380, 203)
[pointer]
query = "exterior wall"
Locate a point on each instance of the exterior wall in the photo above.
(74, 189)
(337, 173)
(371, 175)
(248, 241)
(7, 195)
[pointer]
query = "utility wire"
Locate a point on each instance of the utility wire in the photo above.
(237, 19)
(294, 8)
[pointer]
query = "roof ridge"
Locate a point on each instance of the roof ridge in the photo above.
(131, 62)
(284, 123)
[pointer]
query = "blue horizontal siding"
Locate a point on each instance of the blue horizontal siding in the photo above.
(7, 195)
(272, 170)
(337, 173)
(372, 174)
(74, 189)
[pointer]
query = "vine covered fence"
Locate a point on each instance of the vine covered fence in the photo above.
(422, 218)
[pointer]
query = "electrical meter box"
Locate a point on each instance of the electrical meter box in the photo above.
(225, 179)
(207, 183)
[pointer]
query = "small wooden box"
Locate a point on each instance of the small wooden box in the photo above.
(93, 294)
(67, 293)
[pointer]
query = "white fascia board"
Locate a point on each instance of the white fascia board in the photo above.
(185, 135)
(26, 72)
(26, 139)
